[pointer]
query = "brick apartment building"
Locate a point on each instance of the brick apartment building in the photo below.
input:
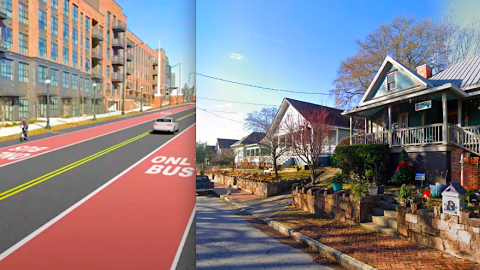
(75, 44)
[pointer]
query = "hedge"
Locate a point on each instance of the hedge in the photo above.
(356, 159)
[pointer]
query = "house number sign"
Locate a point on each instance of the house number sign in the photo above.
(420, 106)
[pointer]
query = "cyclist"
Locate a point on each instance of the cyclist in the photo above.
(25, 128)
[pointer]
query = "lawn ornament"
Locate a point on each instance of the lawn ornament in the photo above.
(426, 195)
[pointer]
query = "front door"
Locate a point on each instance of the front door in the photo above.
(403, 120)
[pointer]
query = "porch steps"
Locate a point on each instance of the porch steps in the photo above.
(382, 220)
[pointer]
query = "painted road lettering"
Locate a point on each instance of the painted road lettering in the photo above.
(28, 148)
(178, 166)
(20, 152)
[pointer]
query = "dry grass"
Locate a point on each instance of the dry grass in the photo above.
(71, 125)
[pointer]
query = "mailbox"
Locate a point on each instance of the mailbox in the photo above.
(453, 198)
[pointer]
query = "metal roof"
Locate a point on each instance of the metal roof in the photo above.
(463, 74)
(251, 138)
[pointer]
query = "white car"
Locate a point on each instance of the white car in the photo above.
(166, 125)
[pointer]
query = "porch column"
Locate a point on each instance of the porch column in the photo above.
(370, 125)
(366, 125)
(445, 118)
(390, 133)
(351, 130)
(459, 113)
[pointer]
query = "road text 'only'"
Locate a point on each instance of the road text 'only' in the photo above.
(170, 166)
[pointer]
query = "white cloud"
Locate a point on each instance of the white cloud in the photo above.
(237, 56)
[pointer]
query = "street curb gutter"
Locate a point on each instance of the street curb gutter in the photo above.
(336, 256)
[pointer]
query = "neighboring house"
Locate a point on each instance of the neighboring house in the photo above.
(248, 148)
(223, 144)
(340, 128)
(434, 118)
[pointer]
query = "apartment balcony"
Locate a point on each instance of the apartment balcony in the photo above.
(129, 57)
(129, 85)
(129, 70)
(155, 63)
(3, 48)
(154, 81)
(118, 43)
(97, 73)
(155, 70)
(3, 14)
(118, 60)
(117, 77)
(130, 44)
(119, 26)
(97, 33)
(97, 53)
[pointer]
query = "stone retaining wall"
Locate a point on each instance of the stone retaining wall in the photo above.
(257, 187)
(339, 205)
(456, 235)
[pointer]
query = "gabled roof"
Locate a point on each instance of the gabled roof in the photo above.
(389, 60)
(225, 143)
(302, 107)
(456, 187)
(254, 137)
(464, 74)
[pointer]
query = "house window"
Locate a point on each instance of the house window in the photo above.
(6, 7)
(22, 72)
(42, 74)
(66, 4)
(74, 59)
(74, 81)
(75, 36)
(54, 26)
(42, 47)
(54, 75)
(54, 4)
(7, 37)
(65, 32)
(65, 56)
(7, 72)
(391, 81)
(22, 13)
(54, 51)
(65, 76)
(22, 43)
(42, 20)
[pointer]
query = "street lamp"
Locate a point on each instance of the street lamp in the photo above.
(189, 83)
(94, 101)
(141, 98)
(180, 77)
(47, 83)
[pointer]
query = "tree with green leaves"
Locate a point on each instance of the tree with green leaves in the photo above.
(203, 151)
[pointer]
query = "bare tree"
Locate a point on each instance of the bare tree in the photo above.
(261, 121)
(309, 136)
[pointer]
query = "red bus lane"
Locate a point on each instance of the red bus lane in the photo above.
(9, 155)
(138, 220)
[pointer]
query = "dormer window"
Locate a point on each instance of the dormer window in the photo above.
(391, 81)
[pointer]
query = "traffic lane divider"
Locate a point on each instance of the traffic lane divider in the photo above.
(13, 154)
(137, 220)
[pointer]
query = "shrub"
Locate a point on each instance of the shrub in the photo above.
(359, 189)
(337, 178)
(406, 195)
(354, 159)
(404, 173)
(344, 141)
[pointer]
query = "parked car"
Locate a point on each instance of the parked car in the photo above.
(204, 184)
(165, 125)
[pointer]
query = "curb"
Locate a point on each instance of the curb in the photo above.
(336, 256)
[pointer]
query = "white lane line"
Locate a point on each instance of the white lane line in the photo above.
(49, 151)
(82, 201)
(184, 239)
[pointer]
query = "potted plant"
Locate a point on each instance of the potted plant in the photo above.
(337, 182)
(406, 195)
(373, 189)
(369, 175)
(359, 190)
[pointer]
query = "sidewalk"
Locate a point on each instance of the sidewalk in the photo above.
(8, 131)
(375, 249)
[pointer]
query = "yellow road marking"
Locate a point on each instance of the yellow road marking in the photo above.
(185, 116)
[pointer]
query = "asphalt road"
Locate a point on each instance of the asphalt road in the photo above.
(28, 210)
(226, 240)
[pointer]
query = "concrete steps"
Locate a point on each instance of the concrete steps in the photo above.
(383, 219)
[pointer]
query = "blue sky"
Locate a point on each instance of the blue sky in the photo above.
(282, 44)
(170, 21)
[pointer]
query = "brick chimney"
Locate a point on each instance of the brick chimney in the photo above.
(424, 71)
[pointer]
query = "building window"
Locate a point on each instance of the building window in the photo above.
(6, 7)
(391, 81)
(87, 24)
(23, 108)
(108, 18)
(87, 85)
(75, 36)
(22, 72)
(87, 64)
(65, 76)
(65, 32)
(42, 20)
(65, 56)
(42, 74)
(108, 88)
(108, 71)
(54, 74)
(54, 4)
(23, 13)
(54, 51)
(74, 59)
(42, 47)
(44, 1)
(7, 37)
(74, 81)
(108, 53)
(74, 13)
(108, 38)
(87, 45)
(54, 26)
(22, 43)
(66, 7)
(7, 72)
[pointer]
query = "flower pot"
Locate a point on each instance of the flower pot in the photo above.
(373, 191)
(337, 186)
(381, 189)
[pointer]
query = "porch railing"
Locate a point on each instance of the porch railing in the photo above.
(465, 138)
(371, 138)
(430, 134)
